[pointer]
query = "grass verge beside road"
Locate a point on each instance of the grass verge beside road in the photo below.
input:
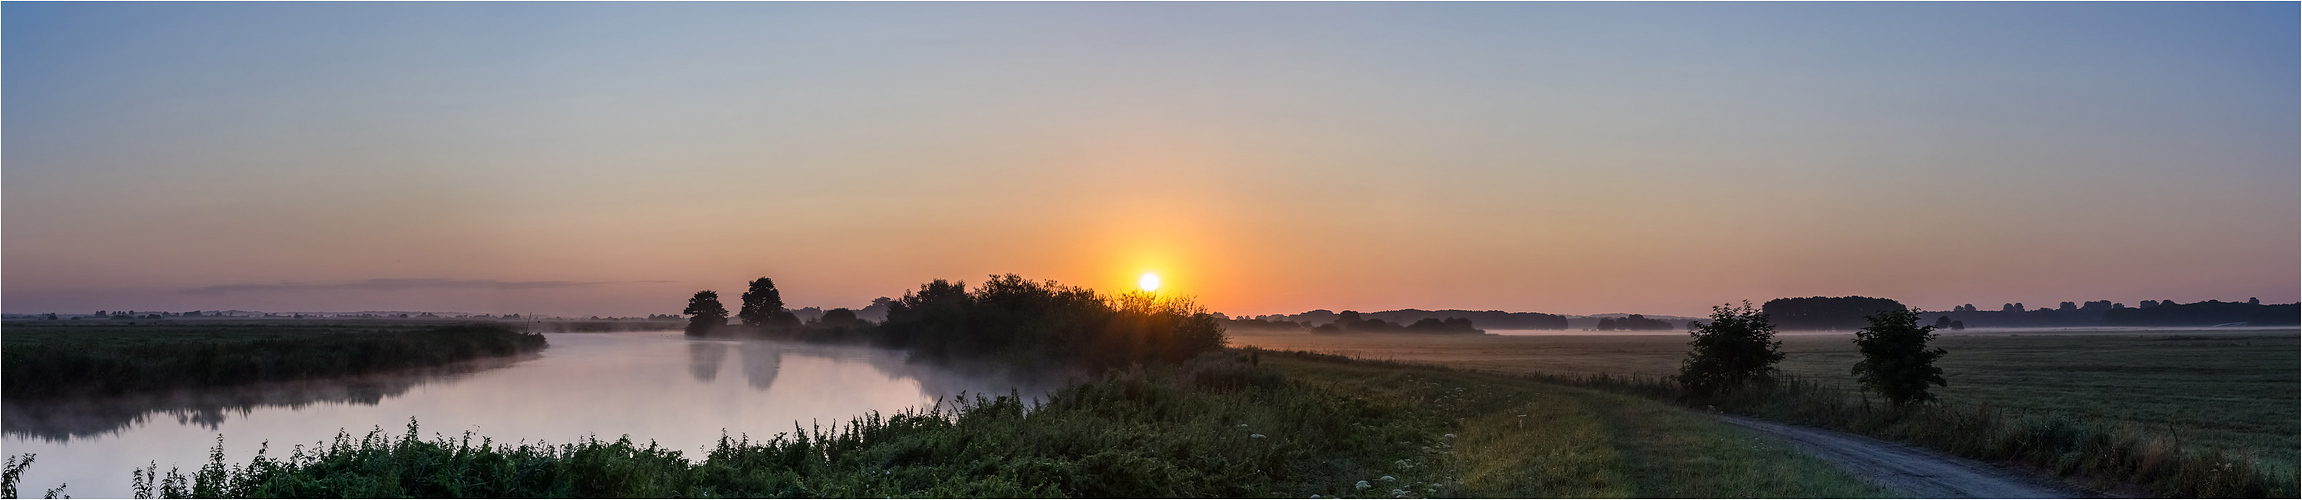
(2181, 414)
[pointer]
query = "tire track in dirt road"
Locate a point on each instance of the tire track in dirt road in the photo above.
(1918, 472)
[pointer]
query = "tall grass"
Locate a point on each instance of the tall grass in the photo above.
(69, 361)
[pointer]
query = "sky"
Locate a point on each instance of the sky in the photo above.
(1571, 158)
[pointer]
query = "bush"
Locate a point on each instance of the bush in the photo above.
(1736, 348)
(1895, 360)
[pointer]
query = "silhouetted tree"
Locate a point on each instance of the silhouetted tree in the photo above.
(838, 317)
(1640, 322)
(1942, 322)
(1736, 348)
(1895, 359)
(1957, 325)
(763, 306)
(704, 313)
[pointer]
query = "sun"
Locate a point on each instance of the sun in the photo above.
(1150, 282)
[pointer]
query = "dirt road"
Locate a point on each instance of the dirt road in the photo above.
(1911, 470)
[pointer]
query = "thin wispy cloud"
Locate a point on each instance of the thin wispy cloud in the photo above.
(394, 284)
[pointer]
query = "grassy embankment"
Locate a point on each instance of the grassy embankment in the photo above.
(2170, 413)
(1218, 427)
(103, 358)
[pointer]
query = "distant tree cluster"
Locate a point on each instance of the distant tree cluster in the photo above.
(1007, 318)
(1826, 313)
(1945, 323)
(2208, 313)
(1026, 321)
(1264, 324)
(1486, 319)
(2107, 313)
(1633, 322)
(1354, 322)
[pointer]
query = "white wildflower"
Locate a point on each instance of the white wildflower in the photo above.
(1257, 436)
(1386, 478)
(1450, 436)
(1363, 485)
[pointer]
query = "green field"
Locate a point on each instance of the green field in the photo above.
(98, 358)
(2230, 389)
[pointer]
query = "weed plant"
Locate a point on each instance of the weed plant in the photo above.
(66, 361)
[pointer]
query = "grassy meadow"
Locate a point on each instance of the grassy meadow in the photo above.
(2232, 390)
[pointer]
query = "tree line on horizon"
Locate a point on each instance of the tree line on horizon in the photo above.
(1486, 319)
(1847, 313)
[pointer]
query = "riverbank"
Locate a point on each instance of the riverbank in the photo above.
(44, 361)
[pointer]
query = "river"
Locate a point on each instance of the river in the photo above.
(661, 386)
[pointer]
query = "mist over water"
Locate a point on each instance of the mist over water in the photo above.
(662, 386)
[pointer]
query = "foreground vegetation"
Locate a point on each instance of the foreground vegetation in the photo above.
(2193, 414)
(62, 360)
(1228, 424)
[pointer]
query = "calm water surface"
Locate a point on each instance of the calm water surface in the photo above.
(657, 386)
